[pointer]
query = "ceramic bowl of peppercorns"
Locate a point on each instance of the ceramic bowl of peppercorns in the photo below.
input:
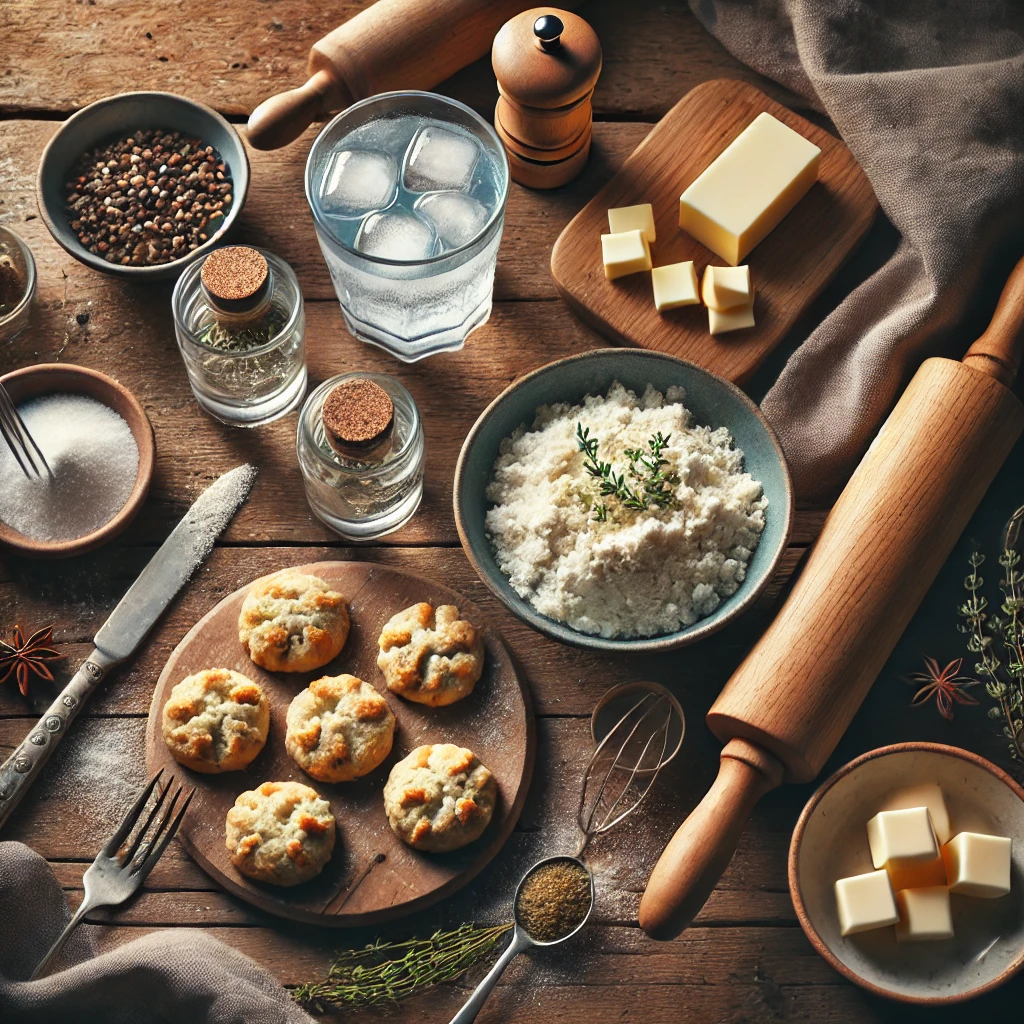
(141, 184)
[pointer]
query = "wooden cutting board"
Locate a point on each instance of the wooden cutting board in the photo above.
(788, 269)
(372, 875)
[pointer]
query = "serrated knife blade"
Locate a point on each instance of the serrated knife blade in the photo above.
(188, 546)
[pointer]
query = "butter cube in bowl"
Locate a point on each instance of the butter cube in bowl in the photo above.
(923, 798)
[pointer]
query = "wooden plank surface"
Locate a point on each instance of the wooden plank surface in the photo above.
(234, 55)
(745, 959)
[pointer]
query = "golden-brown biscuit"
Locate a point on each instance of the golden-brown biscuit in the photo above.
(440, 797)
(339, 728)
(293, 622)
(216, 720)
(280, 832)
(430, 655)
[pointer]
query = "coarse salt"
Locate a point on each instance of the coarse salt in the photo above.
(94, 460)
(642, 572)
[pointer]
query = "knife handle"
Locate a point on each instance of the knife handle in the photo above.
(19, 771)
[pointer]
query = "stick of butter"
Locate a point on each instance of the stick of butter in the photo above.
(759, 177)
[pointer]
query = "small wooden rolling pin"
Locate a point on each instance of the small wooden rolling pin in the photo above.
(789, 703)
(394, 44)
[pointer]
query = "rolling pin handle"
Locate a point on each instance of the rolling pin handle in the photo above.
(998, 351)
(696, 856)
(281, 119)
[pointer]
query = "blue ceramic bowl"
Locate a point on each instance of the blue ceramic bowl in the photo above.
(116, 117)
(714, 402)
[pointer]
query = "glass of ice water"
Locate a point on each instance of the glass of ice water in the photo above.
(408, 192)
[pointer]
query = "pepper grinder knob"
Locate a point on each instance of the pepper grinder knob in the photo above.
(548, 29)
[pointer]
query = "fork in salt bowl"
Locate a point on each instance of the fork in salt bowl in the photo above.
(121, 866)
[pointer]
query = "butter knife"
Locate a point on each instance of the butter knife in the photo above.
(135, 615)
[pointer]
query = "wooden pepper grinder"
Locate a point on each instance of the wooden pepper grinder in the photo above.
(546, 62)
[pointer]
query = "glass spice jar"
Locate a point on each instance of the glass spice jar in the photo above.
(17, 284)
(240, 324)
(369, 483)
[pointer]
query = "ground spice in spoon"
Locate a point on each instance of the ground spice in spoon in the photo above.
(554, 900)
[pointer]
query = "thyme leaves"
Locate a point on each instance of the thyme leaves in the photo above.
(644, 482)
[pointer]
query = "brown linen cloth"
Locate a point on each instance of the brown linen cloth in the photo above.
(929, 96)
(178, 976)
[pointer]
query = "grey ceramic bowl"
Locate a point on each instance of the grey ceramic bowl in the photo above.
(713, 402)
(830, 842)
(116, 117)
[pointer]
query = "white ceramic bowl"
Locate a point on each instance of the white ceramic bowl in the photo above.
(830, 842)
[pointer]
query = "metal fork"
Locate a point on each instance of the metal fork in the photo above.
(119, 869)
(19, 440)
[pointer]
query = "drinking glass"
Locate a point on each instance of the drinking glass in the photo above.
(408, 193)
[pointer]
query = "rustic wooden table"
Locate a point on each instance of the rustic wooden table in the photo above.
(746, 958)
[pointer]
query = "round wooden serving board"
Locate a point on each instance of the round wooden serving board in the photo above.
(372, 876)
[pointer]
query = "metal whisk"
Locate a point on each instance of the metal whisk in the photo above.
(19, 440)
(629, 757)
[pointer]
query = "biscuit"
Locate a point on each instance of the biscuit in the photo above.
(439, 798)
(280, 832)
(429, 655)
(292, 622)
(339, 728)
(216, 721)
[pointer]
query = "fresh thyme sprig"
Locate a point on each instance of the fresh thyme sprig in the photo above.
(991, 635)
(386, 972)
(654, 485)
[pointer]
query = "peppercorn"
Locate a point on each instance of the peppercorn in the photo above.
(110, 212)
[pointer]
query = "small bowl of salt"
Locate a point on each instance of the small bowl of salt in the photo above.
(98, 444)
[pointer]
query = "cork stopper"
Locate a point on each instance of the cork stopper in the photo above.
(235, 279)
(358, 418)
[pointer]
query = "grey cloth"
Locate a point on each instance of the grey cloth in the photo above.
(179, 975)
(929, 96)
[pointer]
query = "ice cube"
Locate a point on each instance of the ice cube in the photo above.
(457, 218)
(358, 181)
(440, 160)
(396, 235)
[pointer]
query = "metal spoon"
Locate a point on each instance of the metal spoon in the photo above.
(521, 940)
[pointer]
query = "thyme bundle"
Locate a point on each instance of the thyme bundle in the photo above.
(653, 485)
(998, 641)
(386, 972)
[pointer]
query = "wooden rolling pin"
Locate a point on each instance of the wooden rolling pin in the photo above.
(394, 44)
(789, 703)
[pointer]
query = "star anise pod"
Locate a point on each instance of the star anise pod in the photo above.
(22, 658)
(944, 684)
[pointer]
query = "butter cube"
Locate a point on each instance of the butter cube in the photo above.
(633, 218)
(917, 876)
(625, 252)
(902, 839)
(929, 795)
(865, 902)
(726, 288)
(744, 193)
(674, 285)
(978, 865)
(721, 321)
(924, 915)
